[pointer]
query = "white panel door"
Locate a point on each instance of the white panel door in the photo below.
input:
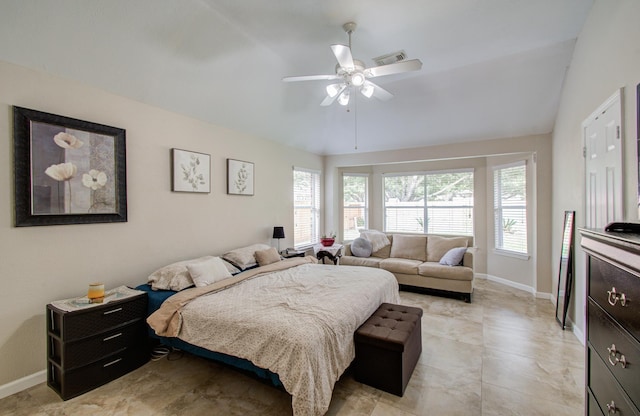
(603, 153)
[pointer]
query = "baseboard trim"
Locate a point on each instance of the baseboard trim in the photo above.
(23, 383)
(515, 285)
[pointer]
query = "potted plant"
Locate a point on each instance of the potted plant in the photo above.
(328, 240)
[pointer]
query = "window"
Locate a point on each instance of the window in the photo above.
(510, 207)
(355, 206)
(434, 203)
(306, 207)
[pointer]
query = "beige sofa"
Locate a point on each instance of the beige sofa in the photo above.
(414, 260)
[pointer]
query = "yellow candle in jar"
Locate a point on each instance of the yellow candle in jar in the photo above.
(96, 292)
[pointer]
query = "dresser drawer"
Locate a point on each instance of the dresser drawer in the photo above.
(606, 389)
(87, 350)
(72, 383)
(603, 279)
(92, 321)
(617, 349)
(592, 406)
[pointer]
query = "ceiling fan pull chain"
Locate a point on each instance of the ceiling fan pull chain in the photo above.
(355, 120)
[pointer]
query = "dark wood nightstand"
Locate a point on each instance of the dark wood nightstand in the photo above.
(89, 347)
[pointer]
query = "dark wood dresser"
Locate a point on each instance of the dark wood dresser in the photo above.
(613, 323)
(90, 347)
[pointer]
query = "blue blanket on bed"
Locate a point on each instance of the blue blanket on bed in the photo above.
(155, 299)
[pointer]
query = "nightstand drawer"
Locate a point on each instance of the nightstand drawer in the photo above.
(72, 383)
(86, 323)
(85, 351)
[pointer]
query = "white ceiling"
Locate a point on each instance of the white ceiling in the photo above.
(491, 68)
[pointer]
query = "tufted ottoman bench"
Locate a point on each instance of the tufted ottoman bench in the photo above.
(388, 346)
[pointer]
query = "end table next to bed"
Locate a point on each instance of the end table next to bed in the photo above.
(88, 347)
(333, 252)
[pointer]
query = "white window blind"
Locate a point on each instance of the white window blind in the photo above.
(306, 207)
(510, 207)
(355, 206)
(434, 203)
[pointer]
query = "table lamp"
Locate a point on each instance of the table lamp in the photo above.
(278, 232)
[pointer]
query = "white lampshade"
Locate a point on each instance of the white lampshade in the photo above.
(334, 89)
(357, 79)
(367, 90)
(343, 99)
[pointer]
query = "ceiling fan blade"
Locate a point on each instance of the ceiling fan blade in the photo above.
(379, 92)
(328, 101)
(343, 55)
(398, 67)
(309, 78)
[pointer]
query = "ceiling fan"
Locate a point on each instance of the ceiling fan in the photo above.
(352, 74)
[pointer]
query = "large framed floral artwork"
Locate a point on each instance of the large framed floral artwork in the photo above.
(67, 171)
(240, 177)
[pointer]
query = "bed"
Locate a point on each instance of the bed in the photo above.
(294, 319)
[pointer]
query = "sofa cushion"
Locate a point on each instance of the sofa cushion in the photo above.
(361, 247)
(360, 261)
(404, 266)
(438, 246)
(409, 247)
(434, 269)
(453, 257)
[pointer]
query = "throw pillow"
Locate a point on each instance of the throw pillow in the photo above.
(438, 246)
(361, 247)
(409, 247)
(208, 271)
(267, 256)
(453, 257)
(244, 257)
(174, 276)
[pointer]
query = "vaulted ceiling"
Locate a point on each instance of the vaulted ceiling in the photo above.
(491, 68)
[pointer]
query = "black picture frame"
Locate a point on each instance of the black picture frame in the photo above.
(62, 193)
(565, 272)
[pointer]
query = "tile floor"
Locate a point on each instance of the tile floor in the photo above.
(503, 354)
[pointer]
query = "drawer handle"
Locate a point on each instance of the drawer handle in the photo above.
(614, 297)
(613, 357)
(112, 337)
(611, 407)
(120, 359)
(119, 309)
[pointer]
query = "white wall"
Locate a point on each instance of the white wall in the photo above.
(606, 57)
(41, 264)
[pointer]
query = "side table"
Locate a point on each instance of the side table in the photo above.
(290, 254)
(87, 348)
(333, 252)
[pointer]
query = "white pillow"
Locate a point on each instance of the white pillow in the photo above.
(244, 257)
(361, 247)
(175, 276)
(208, 271)
(453, 257)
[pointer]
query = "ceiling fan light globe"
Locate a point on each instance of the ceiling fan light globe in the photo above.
(367, 90)
(357, 79)
(343, 99)
(333, 89)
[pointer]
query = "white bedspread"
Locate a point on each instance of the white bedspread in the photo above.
(298, 323)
